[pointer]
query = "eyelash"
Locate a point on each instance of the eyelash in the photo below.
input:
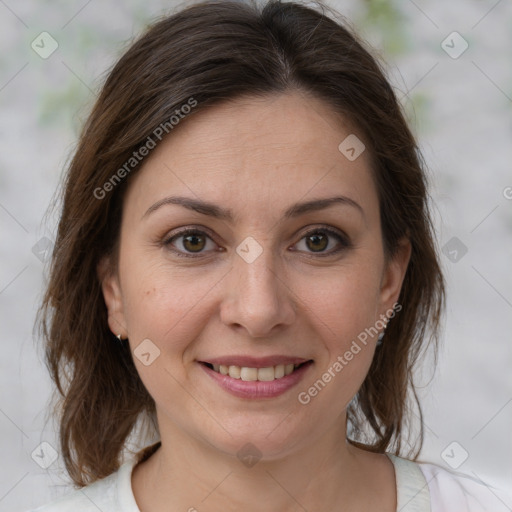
(344, 241)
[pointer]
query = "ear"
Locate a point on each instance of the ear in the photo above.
(393, 275)
(113, 297)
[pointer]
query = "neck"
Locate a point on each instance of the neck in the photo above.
(189, 474)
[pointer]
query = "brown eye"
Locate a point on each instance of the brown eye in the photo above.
(194, 243)
(189, 242)
(319, 239)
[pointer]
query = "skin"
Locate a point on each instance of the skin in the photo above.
(243, 155)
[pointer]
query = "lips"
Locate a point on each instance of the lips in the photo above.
(254, 362)
(260, 369)
(262, 380)
(262, 374)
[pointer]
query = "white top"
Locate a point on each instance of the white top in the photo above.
(421, 487)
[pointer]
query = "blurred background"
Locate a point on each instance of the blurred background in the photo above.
(451, 65)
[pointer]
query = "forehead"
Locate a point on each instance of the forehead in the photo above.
(256, 151)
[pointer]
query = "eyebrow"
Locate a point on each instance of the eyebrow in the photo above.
(218, 212)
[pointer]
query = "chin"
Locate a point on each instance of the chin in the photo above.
(271, 439)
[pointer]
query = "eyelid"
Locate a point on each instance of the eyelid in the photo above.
(199, 230)
(343, 239)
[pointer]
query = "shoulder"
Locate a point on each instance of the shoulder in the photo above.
(99, 495)
(451, 490)
(424, 486)
(111, 494)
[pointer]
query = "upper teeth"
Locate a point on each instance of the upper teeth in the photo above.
(245, 373)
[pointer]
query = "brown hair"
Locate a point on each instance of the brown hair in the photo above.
(212, 52)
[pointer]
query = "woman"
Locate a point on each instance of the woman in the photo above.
(244, 276)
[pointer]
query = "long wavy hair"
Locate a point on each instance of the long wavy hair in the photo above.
(212, 52)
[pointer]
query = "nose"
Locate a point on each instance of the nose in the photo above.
(257, 296)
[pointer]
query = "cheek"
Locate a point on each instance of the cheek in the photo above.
(168, 308)
(165, 304)
(343, 302)
(342, 307)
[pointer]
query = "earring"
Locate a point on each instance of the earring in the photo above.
(381, 335)
(120, 338)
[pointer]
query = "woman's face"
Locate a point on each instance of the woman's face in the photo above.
(263, 275)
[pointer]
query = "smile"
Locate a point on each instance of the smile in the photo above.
(251, 374)
(256, 383)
